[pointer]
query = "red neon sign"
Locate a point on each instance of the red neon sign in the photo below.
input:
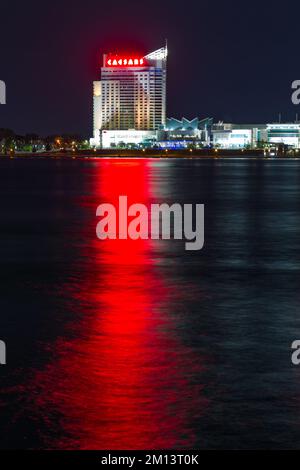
(116, 61)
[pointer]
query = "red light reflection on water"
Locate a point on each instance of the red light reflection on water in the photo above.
(123, 380)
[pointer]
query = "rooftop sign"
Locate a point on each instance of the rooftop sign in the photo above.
(128, 61)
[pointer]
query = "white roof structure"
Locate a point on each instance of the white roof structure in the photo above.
(159, 54)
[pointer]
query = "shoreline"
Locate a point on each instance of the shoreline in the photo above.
(143, 156)
(140, 153)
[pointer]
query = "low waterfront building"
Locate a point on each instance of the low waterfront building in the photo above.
(235, 136)
(129, 138)
(228, 135)
(284, 133)
(183, 133)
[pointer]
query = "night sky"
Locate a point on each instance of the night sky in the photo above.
(230, 60)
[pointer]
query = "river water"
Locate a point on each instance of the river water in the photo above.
(124, 344)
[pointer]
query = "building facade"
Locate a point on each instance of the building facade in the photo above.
(227, 135)
(235, 136)
(286, 134)
(131, 95)
(183, 133)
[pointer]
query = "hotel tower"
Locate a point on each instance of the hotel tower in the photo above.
(130, 98)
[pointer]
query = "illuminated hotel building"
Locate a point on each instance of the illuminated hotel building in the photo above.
(130, 98)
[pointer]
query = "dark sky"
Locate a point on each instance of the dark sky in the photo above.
(231, 60)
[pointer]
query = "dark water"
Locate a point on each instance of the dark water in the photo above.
(141, 344)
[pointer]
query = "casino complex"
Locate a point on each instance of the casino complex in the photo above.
(129, 110)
